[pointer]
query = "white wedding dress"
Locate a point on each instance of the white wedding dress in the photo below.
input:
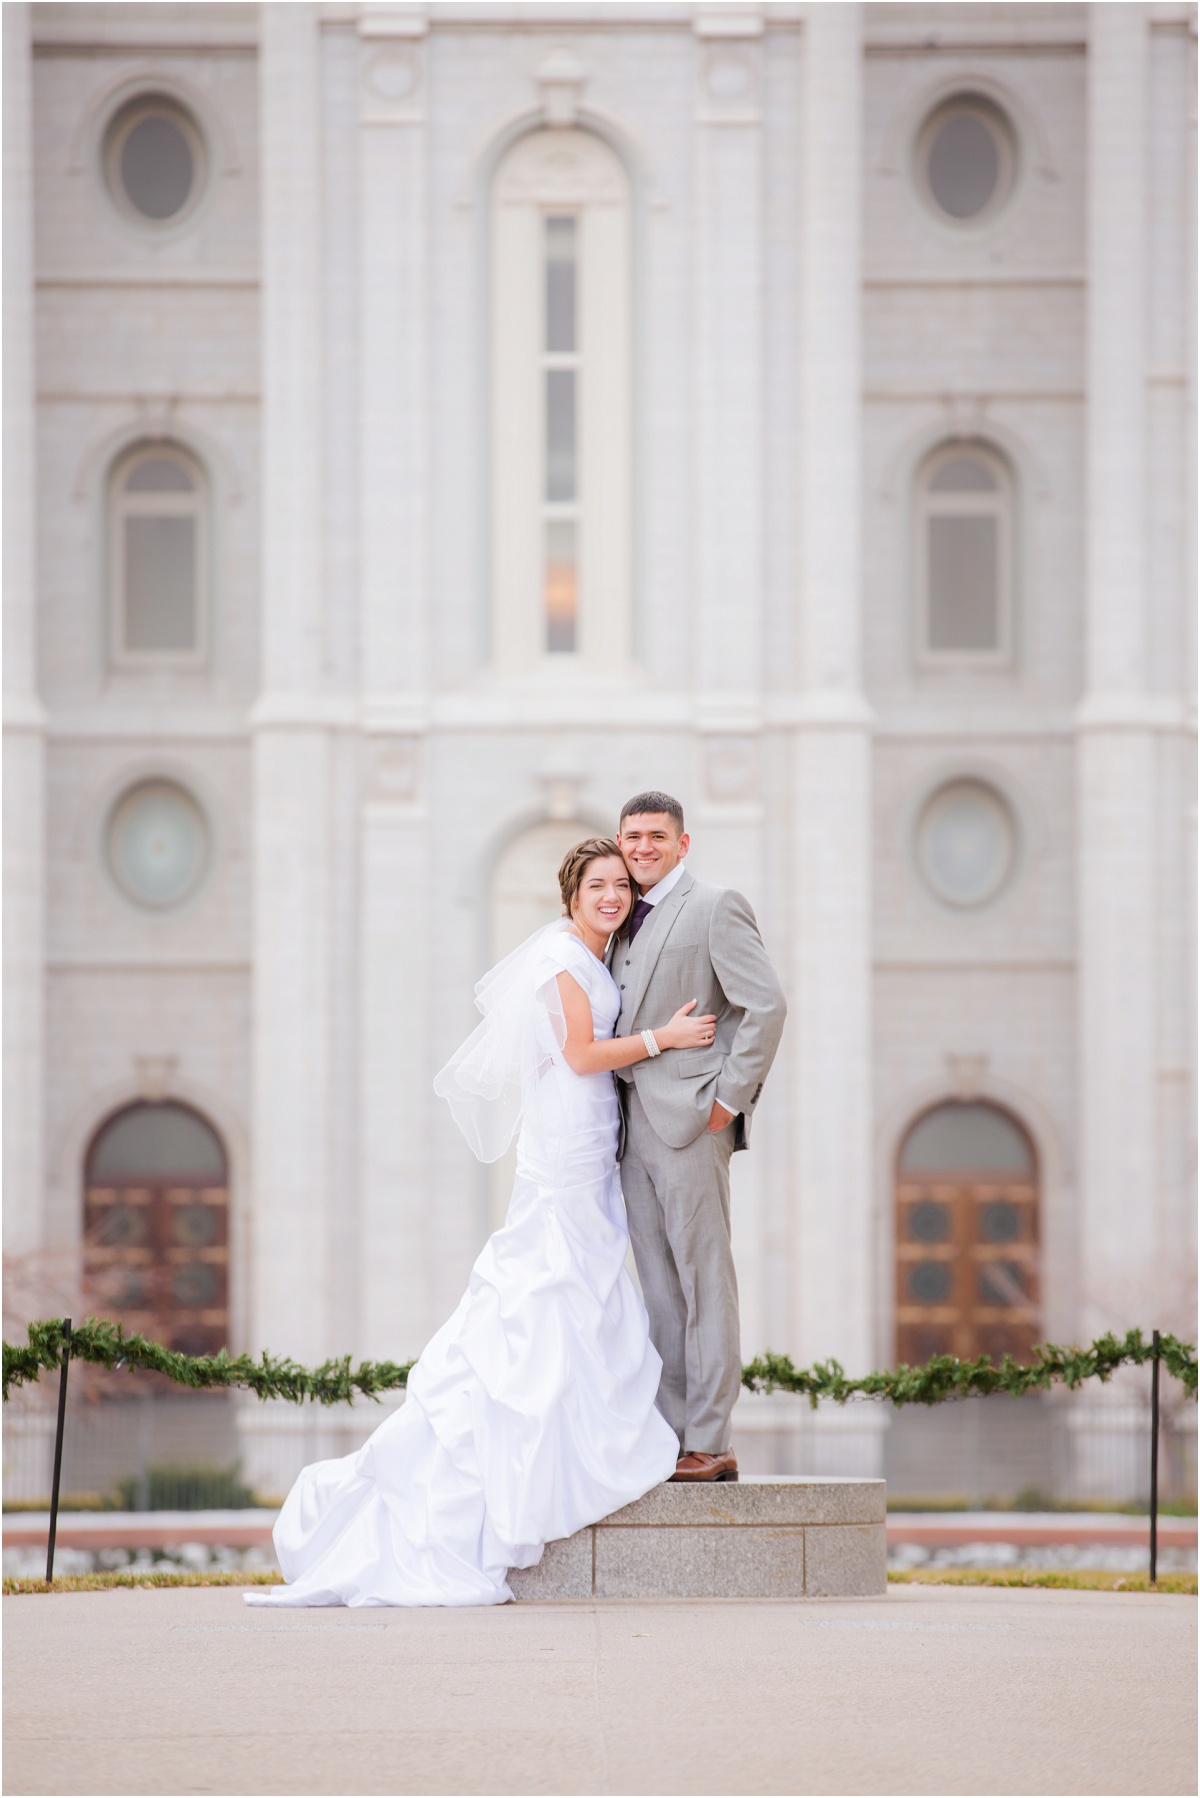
(531, 1412)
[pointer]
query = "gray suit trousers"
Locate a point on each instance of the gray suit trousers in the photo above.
(677, 1202)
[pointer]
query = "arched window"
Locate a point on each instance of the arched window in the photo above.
(560, 397)
(159, 557)
(964, 557)
(966, 1236)
(156, 1226)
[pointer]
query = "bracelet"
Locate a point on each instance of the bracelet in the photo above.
(652, 1048)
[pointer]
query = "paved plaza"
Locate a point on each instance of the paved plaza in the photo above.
(926, 1690)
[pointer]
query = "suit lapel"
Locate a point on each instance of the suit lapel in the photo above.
(661, 922)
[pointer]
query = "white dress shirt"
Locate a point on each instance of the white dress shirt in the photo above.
(666, 885)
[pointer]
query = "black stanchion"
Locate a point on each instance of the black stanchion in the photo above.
(1154, 1462)
(58, 1445)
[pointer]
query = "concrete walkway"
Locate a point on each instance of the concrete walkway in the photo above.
(926, 1690)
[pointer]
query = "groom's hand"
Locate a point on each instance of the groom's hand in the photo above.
(718, 1117)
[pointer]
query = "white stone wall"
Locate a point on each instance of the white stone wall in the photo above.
(142, 338)
(318, 336)
(24, 719)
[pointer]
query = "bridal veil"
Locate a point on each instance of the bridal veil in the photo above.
(491, 1081)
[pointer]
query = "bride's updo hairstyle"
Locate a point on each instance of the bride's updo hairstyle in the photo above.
(576, 863)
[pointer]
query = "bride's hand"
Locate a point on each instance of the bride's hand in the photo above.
(686, 1032)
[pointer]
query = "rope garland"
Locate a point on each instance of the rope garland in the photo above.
(337, 1382)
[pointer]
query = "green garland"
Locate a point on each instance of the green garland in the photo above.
(945, 1376)
(107, 1345)
(336, 1382)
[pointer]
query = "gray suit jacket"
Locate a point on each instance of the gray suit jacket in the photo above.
(700, 942)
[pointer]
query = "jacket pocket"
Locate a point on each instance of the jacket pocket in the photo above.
(692, 1066)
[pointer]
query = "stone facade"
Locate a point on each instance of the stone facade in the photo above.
(317, 332)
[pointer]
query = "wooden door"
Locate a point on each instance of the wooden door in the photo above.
(966, 1268)
(156, 1228)
(156, 1258)
(967, 1257)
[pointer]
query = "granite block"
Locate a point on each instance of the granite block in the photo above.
(564, 1571)
(657, 1562)
(758, 1538)
(846, 1561)
(762, 1500)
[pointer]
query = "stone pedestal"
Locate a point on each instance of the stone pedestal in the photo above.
(760, 1538)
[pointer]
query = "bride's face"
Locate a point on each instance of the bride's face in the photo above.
(605, 895)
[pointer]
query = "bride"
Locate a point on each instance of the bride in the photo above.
(531, 1413)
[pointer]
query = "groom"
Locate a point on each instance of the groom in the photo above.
(682, 1119)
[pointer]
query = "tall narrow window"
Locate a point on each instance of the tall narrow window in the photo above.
(562, 375)
(158, 543)
(964, 557)
(561, 475)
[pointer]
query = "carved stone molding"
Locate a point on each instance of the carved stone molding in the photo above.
(731, 767)
(392, 66)
(155, 1076)
(560, 78)
(394, 776)
(561, 799)
(967, 1074)
(560, 778)
(561, 167)
(729, 65)
(729, 81)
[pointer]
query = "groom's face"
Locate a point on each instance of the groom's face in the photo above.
(651, 846)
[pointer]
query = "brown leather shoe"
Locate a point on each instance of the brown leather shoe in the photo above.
(697, 1466)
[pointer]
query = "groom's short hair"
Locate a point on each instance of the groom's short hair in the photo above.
(652, 802)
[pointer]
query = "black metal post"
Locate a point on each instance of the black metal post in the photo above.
(58, 1447)
(1154, 1463)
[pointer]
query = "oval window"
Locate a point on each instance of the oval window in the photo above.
(966, 159)
(158, 844)
(966, 843)
(154, 160)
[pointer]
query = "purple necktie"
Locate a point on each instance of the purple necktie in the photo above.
(641, 912)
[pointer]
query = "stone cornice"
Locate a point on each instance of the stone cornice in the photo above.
(24, 712)
(1115, 711)
(504, 708)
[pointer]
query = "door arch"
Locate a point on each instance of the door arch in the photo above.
(967, 1235)
(525, 891)
(156, 1226)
